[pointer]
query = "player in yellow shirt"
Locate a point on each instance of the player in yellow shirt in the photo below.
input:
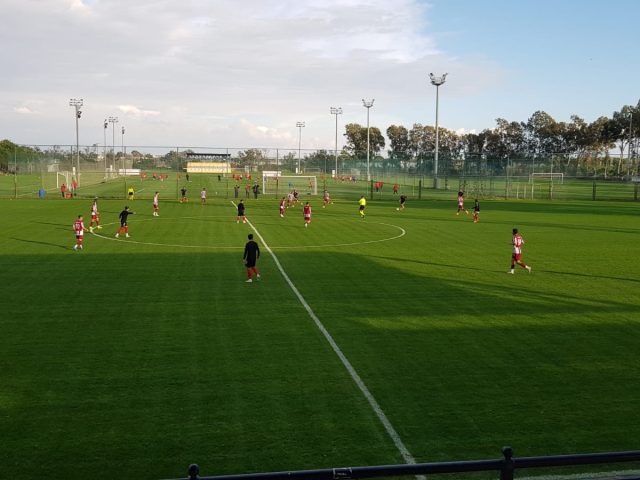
(363, 203)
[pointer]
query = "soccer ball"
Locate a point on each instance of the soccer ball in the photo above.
(398, 209)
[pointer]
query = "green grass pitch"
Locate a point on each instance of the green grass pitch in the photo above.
(139, 356)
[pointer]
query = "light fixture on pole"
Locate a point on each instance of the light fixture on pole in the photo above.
(113, 121)
(77, 103)
(123, 153)
(630, 129)
(300, 125)
(368, 104)
(104, 150)
(336, 111)
(437, 81)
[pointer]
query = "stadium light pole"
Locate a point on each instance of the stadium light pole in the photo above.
(123, 154)
(368, 104)
(437, 81)
(336, 111)
(300, 125)
(113, 121)
(104, 150)
(77, 103)
(630, 127)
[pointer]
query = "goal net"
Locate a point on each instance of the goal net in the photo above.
(281, 184)
(63, 177)
(549, 175)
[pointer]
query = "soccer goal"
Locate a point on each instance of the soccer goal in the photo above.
(273, 184)
(63, 177)
(549, 175)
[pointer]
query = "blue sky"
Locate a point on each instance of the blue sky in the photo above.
(563, 57)
(225, 73)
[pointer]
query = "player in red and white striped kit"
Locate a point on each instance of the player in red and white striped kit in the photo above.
(326, 199)
(282, 206)
(78, 228)
(156, 205)
(95, 216)
(461, 203)
(306, 212)
(516, 257)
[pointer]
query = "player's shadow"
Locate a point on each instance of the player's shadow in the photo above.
(59, 226)
(467, 267)
(51, 223)
(606, 277)
(48, 244)
(436, 264)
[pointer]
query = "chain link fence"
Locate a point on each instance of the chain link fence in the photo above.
(32, 171)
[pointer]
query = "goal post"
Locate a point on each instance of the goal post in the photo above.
(63, 177)
(549, 175)
(274, 184)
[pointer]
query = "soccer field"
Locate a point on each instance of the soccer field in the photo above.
(136, 357)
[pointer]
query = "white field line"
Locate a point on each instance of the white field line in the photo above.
(402, 234)
(406, 455)
(215, 247)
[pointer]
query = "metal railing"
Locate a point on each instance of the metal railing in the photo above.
(506, 467)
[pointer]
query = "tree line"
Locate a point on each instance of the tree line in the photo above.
(541, 136)
(580, 145)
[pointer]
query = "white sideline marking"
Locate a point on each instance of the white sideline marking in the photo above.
(406, 455)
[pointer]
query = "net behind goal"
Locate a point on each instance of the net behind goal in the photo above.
(280, 185)
(549, 175)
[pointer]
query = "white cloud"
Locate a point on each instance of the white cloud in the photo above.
(23, 110)
(202, 72)
(137, 112)
(261, 132)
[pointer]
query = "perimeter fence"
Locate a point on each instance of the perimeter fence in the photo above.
(32, 171)
(506, 467)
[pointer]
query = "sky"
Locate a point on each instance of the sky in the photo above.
(241, 73)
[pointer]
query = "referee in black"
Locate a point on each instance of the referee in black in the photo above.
(251, 256)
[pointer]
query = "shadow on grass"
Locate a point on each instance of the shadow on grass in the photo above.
(467, 267)
(48, 244)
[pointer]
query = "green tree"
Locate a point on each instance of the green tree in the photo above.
(356, 136)
(619, 127)
(544, 134)
(252, 158)
(321, 160)
(12, 154)
(399, 143)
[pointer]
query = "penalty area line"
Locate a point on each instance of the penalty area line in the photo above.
(377, 409)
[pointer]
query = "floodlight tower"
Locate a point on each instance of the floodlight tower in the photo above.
(104, 150)
(77, 103)
(113, 121)
(437, 81)
(123, 154)
(368, 104)
(630, 130)
(335, 111)
(300, 126)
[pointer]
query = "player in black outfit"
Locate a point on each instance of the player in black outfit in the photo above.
(476, 211)
(241, 213)
(124, 226)
(250, 257)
